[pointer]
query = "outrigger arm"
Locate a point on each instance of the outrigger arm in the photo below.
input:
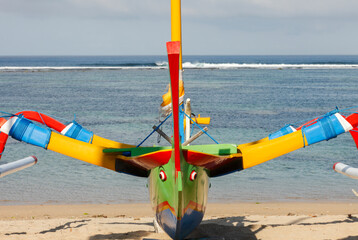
(219, 159)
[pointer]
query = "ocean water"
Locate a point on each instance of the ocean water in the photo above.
(118, 97)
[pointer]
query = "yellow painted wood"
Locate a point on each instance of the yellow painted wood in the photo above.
(199, 120)
(167, 97)
(202, 120)
(100, 141)
(176, 26)
(253, 143)
(263, 150)
(82, 151)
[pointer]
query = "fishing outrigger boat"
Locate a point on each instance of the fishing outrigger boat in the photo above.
(178, 174)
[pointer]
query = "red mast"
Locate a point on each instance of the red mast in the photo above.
(173, 49)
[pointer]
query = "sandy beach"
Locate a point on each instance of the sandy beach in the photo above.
(287, 220)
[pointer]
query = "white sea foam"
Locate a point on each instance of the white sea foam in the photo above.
(186, 65)
(199, 65)
(164, 64)
(74, 68)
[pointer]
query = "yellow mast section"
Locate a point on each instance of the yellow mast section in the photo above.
(176, 28)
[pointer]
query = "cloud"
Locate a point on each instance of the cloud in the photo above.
(197, 9)
(86, 8)
(227, 26)
(271, 8)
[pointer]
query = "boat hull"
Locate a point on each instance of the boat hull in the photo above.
(179, 228)
(179, 209)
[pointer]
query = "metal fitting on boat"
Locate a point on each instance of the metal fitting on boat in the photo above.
(76, 131)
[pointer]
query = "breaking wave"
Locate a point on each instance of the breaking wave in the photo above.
(190, 65)
(186, 65)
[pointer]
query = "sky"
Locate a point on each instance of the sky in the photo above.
(210, 27)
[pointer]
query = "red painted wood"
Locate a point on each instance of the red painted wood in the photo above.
(173, 49)
(353, 120)
(3, 139)
(44, 119)
(355, 136)
(152, 160)
(208, 161)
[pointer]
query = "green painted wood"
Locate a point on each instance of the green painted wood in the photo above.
(136, 151)
(214, 149)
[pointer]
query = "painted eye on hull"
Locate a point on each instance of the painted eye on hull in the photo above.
(193, 175)
(162, 175)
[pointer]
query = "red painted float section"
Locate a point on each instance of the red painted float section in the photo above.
(44, 119)
(353, 120)
(307, 124)
(34, 116)
(3, 137)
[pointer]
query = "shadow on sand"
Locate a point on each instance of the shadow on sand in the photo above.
(73, 224)
(233, 228)
(222, 228)
(225, 228)
(130, 235)
(241, 228)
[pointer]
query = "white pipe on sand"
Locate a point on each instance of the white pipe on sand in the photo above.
(18, 165)
(346, 170)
